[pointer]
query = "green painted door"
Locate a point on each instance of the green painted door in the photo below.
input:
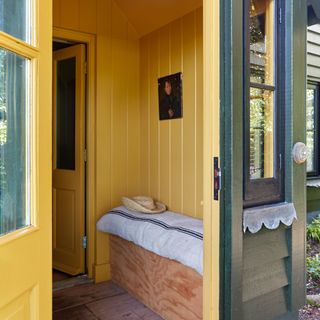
(263, 100)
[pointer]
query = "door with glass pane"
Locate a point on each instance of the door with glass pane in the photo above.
(264, 196)
(68, 159)
(25, 146)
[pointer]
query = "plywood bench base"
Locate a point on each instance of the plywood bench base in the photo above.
(169, 288)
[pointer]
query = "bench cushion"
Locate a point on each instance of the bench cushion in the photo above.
(171, 235)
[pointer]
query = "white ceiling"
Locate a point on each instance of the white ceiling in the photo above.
(149, 15)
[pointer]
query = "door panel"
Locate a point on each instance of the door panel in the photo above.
(275, 257)
(68, 159)
(21, 308)
(25, 246)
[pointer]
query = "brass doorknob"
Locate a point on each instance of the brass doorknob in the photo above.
(299, 153)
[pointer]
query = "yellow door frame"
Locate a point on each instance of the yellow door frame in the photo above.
(90, 41)
(211, 146)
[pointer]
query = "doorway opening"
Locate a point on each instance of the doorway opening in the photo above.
(69, 163)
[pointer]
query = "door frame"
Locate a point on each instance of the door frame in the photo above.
(231, 150)
(90, 115)
(211, 149)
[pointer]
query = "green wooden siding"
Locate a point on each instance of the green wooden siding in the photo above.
(313, 72)
(313, 48)
(265, 278)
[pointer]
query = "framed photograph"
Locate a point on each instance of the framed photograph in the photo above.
(170, 96)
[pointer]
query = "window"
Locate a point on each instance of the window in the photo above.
(312, 126)
(262, 168)
(12, 11)
(16, 145)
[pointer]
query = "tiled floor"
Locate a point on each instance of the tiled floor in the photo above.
(103, 301)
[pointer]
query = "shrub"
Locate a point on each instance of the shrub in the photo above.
(313, 230)
(313, 267)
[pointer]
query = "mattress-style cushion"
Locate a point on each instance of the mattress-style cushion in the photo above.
(169, 234)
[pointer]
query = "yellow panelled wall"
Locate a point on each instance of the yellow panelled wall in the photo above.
(135, 152)
(117, 108)
(172, 151)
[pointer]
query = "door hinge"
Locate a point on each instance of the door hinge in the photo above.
(280, 15)
(216, 178)
(85, 155)
(85, 67)
(84, 242)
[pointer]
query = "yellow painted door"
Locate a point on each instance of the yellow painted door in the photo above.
(69, 159)
(25, 160)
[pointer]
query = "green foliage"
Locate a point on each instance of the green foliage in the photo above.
(313, 230)
(313, 267)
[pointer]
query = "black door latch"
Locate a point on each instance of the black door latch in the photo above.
(216, 178)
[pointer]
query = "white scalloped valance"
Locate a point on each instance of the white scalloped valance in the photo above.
(313, 183)
(269, 216)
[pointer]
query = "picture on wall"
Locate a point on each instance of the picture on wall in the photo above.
(170, 96)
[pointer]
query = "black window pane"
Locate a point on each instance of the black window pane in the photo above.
(66, 82)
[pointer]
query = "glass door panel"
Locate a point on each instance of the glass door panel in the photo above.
(14, 142)
(65, 109)
(15, 17)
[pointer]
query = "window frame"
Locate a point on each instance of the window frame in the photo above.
(315, 173)
(265, 190)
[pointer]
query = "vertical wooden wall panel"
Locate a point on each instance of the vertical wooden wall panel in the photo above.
(154, 117)
(199, 120)
(145, 115)
(88, 15)
(176, 126)
(133, 115)
(79, 15)
(119, 106)
(174, 147)
(69, 14)
(103, 123)
(165, 125)
(56, 12)
(189, 114)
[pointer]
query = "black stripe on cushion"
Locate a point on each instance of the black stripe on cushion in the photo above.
(161, 224)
